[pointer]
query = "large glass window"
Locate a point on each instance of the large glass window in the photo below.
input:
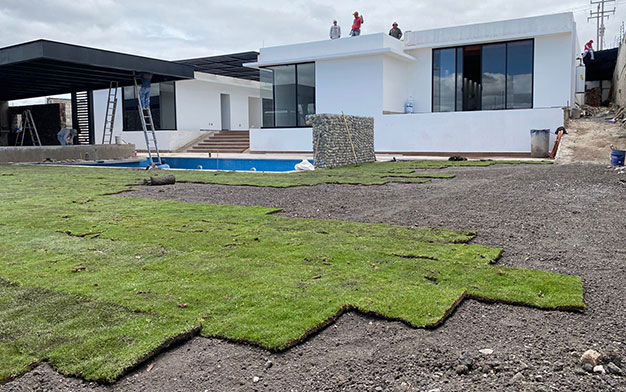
(288, 94)
(483, 77)
(267, 97)
(519, 83)
(306, 92)
(444, 80)
(493, 76)
(162, 106)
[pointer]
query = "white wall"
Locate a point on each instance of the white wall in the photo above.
(481, 131)
(354, 85)
(198, 101)
(281, 140)
(168, 141)
(505, 30)
(99, 111)
(553, 82)
(197, 110)
(396, 73)
(420, 80)
(344, 47)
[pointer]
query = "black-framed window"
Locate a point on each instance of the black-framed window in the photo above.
(162, 106)
(288, 95)
(483, 77)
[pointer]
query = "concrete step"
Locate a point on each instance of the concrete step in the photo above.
(225, 141)
(219, 143)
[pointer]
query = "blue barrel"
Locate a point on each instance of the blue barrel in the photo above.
(617, 157)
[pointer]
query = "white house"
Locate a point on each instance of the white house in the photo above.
(223, 96)
(476, 88)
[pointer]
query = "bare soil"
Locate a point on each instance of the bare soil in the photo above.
(590, 140)
(564, 218)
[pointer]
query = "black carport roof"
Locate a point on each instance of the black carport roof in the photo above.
(227, 65)
(42, 67)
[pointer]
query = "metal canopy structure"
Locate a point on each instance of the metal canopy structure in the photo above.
(42, 68)
(227, 65)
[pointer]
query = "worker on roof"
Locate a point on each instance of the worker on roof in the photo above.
(335, 30)
(356, 25)
(588, 50)
(395, 32)
(144, 95)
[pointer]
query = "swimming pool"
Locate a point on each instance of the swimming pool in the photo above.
(267, 165)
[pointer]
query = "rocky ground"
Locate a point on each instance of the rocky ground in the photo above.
(590, 139)
(564, 218)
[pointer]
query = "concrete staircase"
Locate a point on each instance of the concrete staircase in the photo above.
(224, 141)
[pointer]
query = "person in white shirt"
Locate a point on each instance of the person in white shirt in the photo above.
(335, 30)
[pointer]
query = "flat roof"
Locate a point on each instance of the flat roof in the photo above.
(227, 65)
(41, 68)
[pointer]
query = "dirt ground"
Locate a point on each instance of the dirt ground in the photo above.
(564, 218)
(590, 140)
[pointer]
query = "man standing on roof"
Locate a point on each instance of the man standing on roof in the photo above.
(588, 50)
(356, 25)
(335, 30)
(144, 95)
(395, 32)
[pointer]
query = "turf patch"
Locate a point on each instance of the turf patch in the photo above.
(134, 273)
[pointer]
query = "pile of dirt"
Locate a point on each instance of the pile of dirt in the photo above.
(591, 139)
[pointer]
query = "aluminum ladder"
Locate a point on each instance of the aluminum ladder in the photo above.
(109, 117)
(28, 124)
(147, 124)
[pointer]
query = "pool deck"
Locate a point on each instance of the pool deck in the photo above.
(309, 156)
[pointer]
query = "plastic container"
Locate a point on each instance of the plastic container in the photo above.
(617, 157)
(540, 143)
(408, 106)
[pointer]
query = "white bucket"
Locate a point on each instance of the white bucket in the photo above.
(118, 140)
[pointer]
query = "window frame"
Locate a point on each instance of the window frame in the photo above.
(125, 128)
(506, 61)
(296, 95)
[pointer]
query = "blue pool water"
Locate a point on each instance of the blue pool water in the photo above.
(268, 165)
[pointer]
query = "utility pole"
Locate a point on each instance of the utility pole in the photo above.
(599, 16)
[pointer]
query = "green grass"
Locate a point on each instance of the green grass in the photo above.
(95, 283)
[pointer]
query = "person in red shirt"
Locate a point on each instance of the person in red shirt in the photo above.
(356, 25)
(588, 50)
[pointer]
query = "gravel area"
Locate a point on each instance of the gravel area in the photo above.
(564, 218)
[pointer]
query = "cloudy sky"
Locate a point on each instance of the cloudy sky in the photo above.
(195, 28)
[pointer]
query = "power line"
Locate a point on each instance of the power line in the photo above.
(599, 16)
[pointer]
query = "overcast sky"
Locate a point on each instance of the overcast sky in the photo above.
(195, 28)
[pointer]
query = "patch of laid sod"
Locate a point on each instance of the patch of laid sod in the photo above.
(130, 274)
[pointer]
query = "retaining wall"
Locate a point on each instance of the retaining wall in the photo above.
(333, 144)
(61, 153)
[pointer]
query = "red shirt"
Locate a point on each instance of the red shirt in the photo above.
(356, 25)
(588, 45)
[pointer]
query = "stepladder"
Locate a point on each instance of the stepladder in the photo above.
(27, 125)
(147, 124)
(109, 119)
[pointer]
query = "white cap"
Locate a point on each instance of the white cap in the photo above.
(334, 20)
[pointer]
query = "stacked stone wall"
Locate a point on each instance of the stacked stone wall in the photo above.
(331, 140)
